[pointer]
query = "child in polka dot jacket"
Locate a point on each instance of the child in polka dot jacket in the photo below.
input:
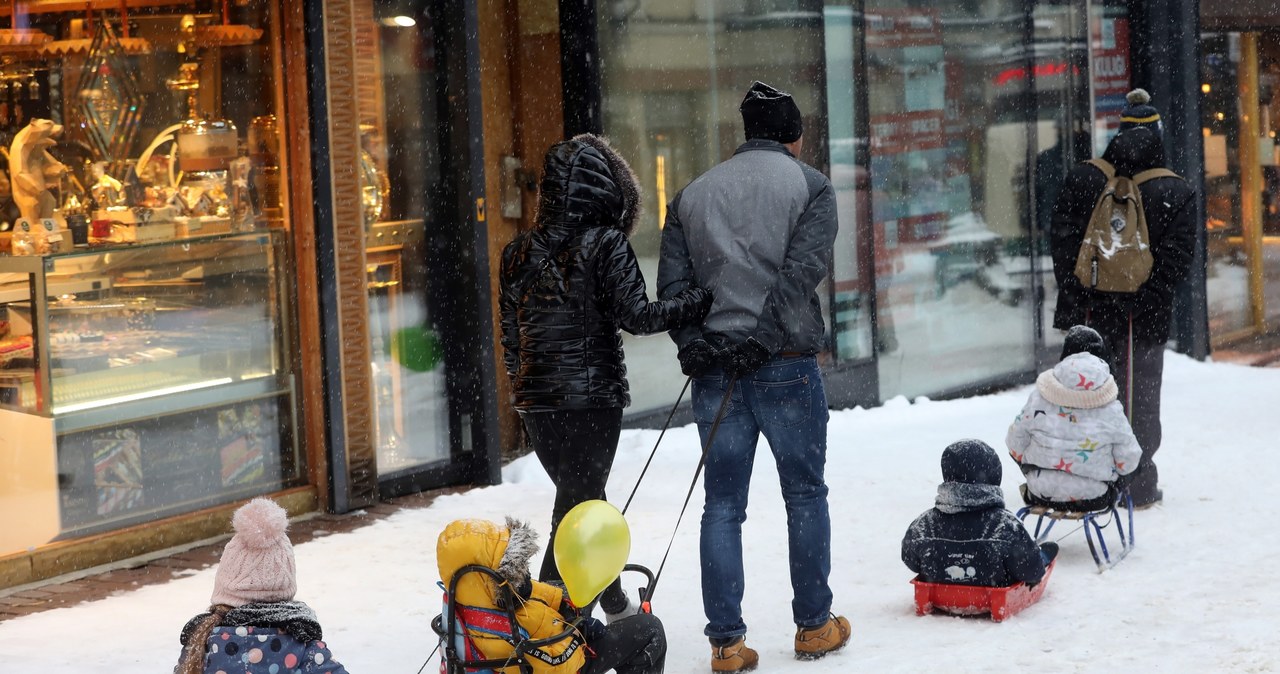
(254, 626)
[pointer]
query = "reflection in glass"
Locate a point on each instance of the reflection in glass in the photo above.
(851, 317)
(1243, 276)
(400, 164)
(948, 180)
(673, 77)
(1063, 137)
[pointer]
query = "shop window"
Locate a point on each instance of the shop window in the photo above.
(673, 75)
(1064, 119)
(145, 286)
(1242, 182)
(949, 178)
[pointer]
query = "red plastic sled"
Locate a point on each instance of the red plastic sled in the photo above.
(1000, 602)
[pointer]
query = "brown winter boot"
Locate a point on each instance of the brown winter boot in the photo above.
(815, 642)
(735, 657)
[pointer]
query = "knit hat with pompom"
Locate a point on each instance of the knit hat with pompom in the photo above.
(257, 564)
(1139, 113)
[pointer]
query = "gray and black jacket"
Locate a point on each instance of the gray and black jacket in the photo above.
(757, 231)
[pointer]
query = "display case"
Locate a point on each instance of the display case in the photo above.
(147, 379)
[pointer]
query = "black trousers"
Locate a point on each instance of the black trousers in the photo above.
(576, 447)
(1139, 379)
(633, 645)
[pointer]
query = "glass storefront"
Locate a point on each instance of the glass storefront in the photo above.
(146, 366)
(949, 197)
(937, 123)
(673, 76)
(1241, 116)
(1081, 74)
(400, 168)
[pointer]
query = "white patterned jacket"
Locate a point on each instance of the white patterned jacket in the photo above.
(1072, 437)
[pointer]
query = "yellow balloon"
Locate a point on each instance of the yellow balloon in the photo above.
(591, 547)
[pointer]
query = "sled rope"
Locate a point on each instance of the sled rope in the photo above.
(1059, 539)
(706, 447)
(665, 426)
(433, 654)
(1128, 379)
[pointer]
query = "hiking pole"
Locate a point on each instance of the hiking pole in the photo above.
(706, 447)
(666, 425)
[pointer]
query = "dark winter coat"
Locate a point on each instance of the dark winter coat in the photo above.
(1169, 208)
(969, 538)
(274, 638)
(569, 285)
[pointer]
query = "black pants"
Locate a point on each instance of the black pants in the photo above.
(1141, 400)
(634, 645)
(576, 447)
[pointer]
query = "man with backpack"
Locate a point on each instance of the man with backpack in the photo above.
(1122, 238)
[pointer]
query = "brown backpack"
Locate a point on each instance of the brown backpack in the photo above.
(1115, 255)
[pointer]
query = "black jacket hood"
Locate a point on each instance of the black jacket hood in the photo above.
(1134, 151)
(585, 183)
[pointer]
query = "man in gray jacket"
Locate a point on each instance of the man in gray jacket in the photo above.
(758, 231)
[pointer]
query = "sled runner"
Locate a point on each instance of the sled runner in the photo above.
(1117, 511)
(1000, 602)
(459, 652)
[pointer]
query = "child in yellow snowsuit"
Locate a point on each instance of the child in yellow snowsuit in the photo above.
(632, 645)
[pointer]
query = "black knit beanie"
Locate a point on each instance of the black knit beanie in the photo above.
(1140, 113)
(771, 114)
(971, 462)
(1084, 339)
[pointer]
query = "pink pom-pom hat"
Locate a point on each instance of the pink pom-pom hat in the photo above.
(257, 564)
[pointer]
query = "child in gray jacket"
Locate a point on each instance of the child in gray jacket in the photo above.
(1072, 438)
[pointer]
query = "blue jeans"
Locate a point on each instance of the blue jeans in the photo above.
(786, 402)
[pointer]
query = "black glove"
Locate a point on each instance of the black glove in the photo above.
(1050, 550)
(592, 629)
(697, 358)
(744, 357)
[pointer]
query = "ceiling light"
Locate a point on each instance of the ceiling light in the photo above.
(398, 21)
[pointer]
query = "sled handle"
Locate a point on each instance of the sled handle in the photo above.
(646, 589)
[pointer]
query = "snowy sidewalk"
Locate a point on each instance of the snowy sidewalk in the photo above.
(1198, 594)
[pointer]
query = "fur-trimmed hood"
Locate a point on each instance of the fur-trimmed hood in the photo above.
(505, 548)
(1082, 381)
(586, 183)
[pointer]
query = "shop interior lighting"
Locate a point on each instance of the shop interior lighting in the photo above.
(400, 21)
(79, 407)
(1205, 88)
(662, 190)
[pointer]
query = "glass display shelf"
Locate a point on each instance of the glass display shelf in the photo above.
(140, 330)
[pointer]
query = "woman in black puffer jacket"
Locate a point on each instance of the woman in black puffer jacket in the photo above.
(568, 285)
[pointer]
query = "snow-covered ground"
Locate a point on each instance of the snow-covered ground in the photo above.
(1199, 594)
